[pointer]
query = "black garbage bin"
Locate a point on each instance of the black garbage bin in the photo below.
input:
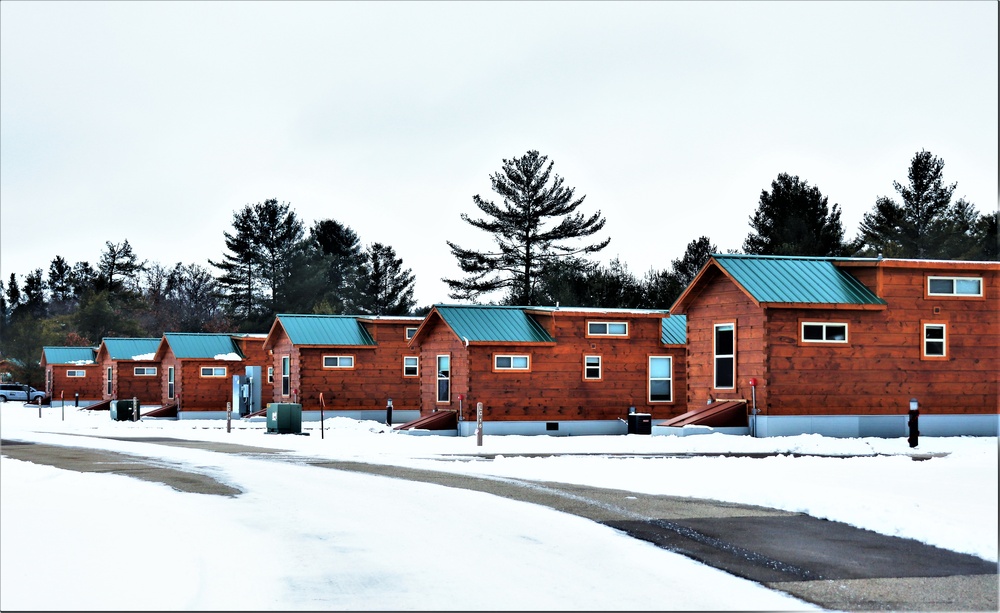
(640, 423)
(121, 410)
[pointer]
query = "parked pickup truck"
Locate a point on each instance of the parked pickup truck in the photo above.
(19, 392)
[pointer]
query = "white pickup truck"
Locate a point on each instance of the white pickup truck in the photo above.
(19, 392)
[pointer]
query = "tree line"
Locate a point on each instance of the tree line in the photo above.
(541, 255)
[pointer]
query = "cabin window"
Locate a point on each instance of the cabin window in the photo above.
(410, 366)
(725, 356)
(286, 375)
(76, 373)
(661, 378)
(607, 328)
(110, 378)
(270, 374)
(935, 340)
(338, 361)
(48, 382)
(510, 362)
(814, 332)
(170, 382)
(410, 332)
(592, 367)
(144, 371)
(213, 371)
(955, 286)
(444, 378)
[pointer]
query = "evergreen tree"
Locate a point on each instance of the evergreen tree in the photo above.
(13, 293)
(660, 289)
(388, 287)
(118, 270)
(795, 219)
(689, 265)
(338, 249)
(916, 228)
(34, 294)
(83, 279)
(526, 240)
(60, 280)
(614, 287)
(564, 281)
(241, 276)
(987, 237)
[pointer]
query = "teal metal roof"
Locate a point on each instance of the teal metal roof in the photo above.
(673, 330)
(70, 355)
(498, 324)
(191, 345)
(131, 348)
(325, 330)
(789, 279)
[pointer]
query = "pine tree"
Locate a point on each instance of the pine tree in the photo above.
(795, 219)
(532, 228)
(241, 275)
(388, 286)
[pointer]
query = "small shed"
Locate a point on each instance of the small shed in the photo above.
(197, 372)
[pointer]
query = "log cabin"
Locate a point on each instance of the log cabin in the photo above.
(129, 370)
(72, 374)
(550, 370)
(197, 370)
(346, 365)
(846, 346)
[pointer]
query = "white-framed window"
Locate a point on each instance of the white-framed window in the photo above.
(510, 362)
(270, 374)
(823, 332)
(410, 332)
(444, 378)
(144, 371)
(338, 361)
(935, 340)
(213, 371)
(592, 367)
(411, 365)
(286, 375)
(955, 286)
(110, 377)
(76, 373)
(724, 350)
(607, 328)
(170, 382)
(661, 378)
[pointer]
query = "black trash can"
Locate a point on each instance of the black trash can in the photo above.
(121, 410)
(640, 423)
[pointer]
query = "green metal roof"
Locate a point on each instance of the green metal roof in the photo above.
(673, 330)
(131, 348)
(789, 279)
(479, 323)
(325, 330)
(69, 355)
(191, 345)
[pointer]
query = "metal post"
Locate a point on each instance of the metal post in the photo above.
(321, 405)
(914, 415)
(135, 409)
(388, 413)
(76, 399)
(479, 424)
(229, 416)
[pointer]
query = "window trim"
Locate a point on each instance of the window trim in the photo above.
(76, 374)
(109, 373)
(599, 366)
(286, 376)
(924, 326)
(954, 294)
(170, 383)
(409, 332)
(145, 371)
(438, 379)
(607, 327)
(214, 369)
(825, 325)
(669, 379)
(716, 356)
(415, 366)
(270, 374)
(339, 357)
(512, 367)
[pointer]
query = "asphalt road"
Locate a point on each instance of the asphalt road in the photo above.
(827, 563)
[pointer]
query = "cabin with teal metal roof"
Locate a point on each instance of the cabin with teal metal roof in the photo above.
(72, 374)
(196, 371)
(129, 370)
(344, 365)
(842, 346)
(550, 370)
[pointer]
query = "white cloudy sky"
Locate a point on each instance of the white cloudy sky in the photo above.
(154, 122)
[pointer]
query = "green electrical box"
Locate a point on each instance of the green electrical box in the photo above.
(284, 417)
(121, 410)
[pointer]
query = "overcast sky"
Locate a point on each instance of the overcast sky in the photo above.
(155, 122)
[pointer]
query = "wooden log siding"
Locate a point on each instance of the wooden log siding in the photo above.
(89, 387)
(125, 384)
(553, 389)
